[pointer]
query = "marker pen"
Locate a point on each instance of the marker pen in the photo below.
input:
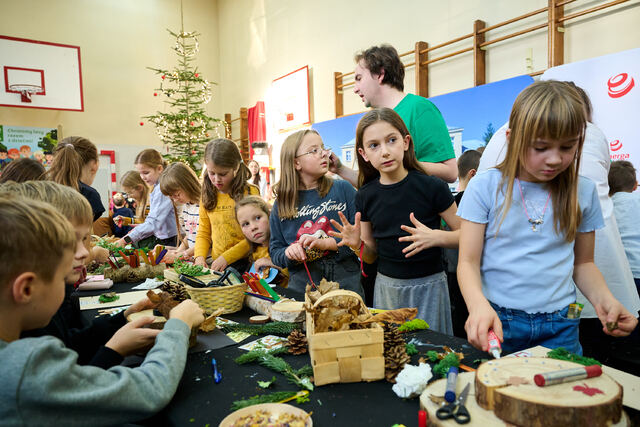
(494, 344)
(567, 375)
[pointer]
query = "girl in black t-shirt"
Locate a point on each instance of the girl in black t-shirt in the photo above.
(398, 221)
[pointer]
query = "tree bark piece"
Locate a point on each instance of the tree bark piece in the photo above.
(559, 404)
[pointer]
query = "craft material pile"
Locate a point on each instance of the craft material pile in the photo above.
(265, 418)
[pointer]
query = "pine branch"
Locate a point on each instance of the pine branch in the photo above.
(264, 398)
(275, 328)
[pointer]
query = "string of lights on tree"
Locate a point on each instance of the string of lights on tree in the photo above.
(186, 128)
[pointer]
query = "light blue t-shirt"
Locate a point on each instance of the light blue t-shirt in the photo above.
(524, 269)
(626, 207)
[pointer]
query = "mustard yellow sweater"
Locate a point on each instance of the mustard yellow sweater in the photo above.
(219, 230)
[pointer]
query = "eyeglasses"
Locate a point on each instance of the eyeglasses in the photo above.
(316, 151)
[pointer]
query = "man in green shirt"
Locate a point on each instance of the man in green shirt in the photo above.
(379, 81)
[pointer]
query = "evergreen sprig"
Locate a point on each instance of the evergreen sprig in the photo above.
(274, 328)
(263, 398)
(561, 353)
(278, 364)
(187, 268)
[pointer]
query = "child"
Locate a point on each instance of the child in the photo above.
(223, 185)
(181, 184)
(626, 205)
(75, 164)
(66, 324)
(306, 199)
(256, 178)
(160, 226)
(137, 190)
(394, 194)
(42, 384)
(22, 170)
(121, 209)
(527, 232)
(467, 168)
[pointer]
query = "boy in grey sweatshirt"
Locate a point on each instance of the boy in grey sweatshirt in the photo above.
(41, 382)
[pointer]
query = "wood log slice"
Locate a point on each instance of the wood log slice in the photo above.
(287, 310)
(506, 386)
(479, 417)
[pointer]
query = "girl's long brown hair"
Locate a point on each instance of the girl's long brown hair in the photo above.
(224, 153)
(69, 157)
(366, 172)
(178, 176)
(151, 158)
(131, 179)
(549, 110)
(286, 190)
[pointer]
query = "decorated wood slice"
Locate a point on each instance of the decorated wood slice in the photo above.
(480, 417)
(507, 387)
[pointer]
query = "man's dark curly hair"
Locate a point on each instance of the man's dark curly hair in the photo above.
(384, 57)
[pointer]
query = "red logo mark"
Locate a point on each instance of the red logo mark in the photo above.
(615, 145)
(620, 85)
(589, 391)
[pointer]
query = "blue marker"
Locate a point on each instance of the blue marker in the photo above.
(217, 376)
(452, 377)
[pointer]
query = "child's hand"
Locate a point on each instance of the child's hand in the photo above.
(100, 254)
(219, 264)
(200, 261)
(263, 263)
(143, 304)
(295, 252)
(621, 322)
(420, 236)
(171, 256)
(321, 244)
(189, 312)
(120, 242)
(348, 234)
(482, 318)
(133, 337)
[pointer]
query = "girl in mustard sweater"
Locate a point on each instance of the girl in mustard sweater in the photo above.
(224, 183)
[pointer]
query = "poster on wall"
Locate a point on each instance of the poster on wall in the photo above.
(27, 142)
(612, 82)
(339, 135)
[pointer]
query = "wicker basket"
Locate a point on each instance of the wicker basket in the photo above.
(210, 299)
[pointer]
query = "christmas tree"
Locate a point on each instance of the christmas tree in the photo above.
(186, 128)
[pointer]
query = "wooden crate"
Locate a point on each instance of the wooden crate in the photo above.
(345, 356)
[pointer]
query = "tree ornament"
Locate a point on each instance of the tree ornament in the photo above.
(192, 123)
(197, 75)
(297, 342)
(163, 76)
(155, 93)
(141, 123)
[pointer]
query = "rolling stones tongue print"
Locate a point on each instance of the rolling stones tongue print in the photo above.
(318, 229)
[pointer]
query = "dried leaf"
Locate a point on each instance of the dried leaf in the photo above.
(325, 286)
(399, 316)
(164, 300)
(209, 323)
(438, 400)
(515, 380)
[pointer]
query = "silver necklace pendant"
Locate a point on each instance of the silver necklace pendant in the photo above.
(534, 223)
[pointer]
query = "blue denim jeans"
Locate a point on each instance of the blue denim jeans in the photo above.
(523, 330)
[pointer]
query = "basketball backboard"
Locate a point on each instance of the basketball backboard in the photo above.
(38, 74)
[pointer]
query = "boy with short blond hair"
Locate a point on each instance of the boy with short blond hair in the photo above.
(41, 382)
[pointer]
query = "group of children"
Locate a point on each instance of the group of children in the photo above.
(525, 232)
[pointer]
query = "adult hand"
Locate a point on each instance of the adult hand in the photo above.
(615, 314)
(200, 261)
(482, 318)
(219, 264)
(189, 312)
(171, 256)
(143, 304)
(295, 252)
(348, 234)
(420, 236)
(133, 337)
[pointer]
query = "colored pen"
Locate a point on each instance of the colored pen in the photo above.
(452, 379)
(567, 375)
(259, 296)
(162, 254)
(217, 376)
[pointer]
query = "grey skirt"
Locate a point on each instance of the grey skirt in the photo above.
(430, 295)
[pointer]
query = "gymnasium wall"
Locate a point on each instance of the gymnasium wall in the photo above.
(263, 40)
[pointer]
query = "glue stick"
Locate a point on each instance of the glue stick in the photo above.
(567, 375)
(452, 377)
(494, 344)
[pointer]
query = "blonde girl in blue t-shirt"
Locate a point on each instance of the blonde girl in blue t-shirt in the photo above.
(399, 209)
(527, 232)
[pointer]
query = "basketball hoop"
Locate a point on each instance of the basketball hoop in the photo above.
(26, 91)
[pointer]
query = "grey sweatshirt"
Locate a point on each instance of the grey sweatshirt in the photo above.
(41, 383)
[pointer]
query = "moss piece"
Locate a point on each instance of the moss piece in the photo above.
(561, 353)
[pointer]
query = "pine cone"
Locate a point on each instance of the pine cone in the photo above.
(392, 338)
(176, 290)
(394, 361)
(297, 342)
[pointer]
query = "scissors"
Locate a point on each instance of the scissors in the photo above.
(456, 409)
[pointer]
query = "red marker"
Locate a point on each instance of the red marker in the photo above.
(422, 418)
(567, 375)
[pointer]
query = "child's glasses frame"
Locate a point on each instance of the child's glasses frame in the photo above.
(316, 151)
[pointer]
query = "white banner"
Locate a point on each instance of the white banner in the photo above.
(613, 84)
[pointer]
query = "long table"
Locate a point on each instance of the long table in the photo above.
(200, 402)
